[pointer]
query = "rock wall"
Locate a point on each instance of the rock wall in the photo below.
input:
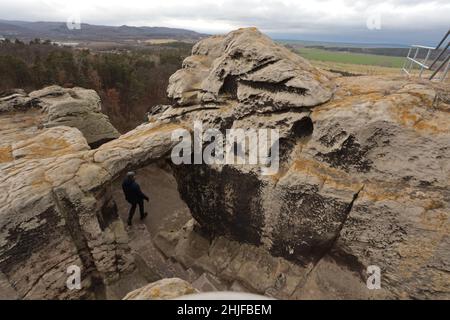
(55, 207)
(55, 106)
(162, 290)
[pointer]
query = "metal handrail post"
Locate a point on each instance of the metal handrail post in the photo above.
(446, 69)
(424, 63)
(409, 63)
(439, 68)
(440, 55)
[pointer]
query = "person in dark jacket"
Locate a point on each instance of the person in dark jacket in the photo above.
(134, 196)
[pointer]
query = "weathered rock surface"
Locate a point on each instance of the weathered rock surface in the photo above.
(55, 209)
(75, 107)
(227, 265)
(363, 180)
(248, 66)
(162, 290)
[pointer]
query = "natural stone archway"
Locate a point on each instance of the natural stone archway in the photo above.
(57, 213)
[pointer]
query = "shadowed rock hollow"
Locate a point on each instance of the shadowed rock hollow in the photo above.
(363, 180)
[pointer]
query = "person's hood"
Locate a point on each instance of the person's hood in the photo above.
(128, 181)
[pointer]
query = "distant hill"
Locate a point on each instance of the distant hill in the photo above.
(329, 44)
(88, 32)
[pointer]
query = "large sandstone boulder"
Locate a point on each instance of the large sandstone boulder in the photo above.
(74, 107)
(56, 210)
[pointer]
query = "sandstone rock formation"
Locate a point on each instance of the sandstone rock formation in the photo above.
(363, 180)
(57, 106)
(162, 290)
(365, 162)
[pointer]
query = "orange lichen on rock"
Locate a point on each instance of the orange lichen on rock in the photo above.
(347, 102)
(5, 154)
(331, 176)
(49, 147)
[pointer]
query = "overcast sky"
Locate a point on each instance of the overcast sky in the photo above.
(371, 21)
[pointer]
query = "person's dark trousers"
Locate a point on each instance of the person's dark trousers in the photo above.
(133, 209)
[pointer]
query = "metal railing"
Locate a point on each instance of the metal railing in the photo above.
(441, 62)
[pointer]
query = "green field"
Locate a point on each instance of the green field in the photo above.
(351, 58)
